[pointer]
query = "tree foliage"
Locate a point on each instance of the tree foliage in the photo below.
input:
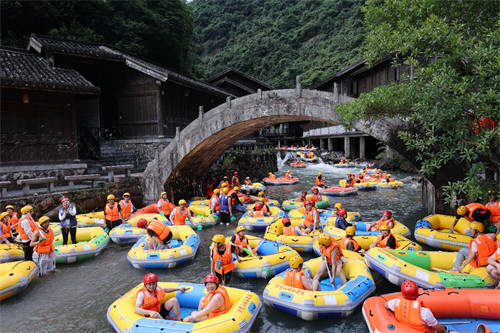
(158, 30)
(275, 40)
(452, 47)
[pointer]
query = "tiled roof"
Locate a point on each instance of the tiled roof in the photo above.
(21, 69)
(228, 70)
(340, 73)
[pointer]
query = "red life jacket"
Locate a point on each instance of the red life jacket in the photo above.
(408, 312)
(223, 308)
(152, 301)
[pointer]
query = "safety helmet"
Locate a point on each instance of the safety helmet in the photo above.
(304, 192)
(389, 175)
(235, 173)
(110, 197)
(462, 210)
(240, 228)
(163, 193)
(126, 194)
(150, 277)
(269, 173)
(309, 202)
(225, 177)
(259, 205)
(261, 194)
(9, 206)
(225, 190)
(324, 239)
(3, 214)
(295, 261)
(477, 226)
(387, 212)
(285, 220)
(319, 174)
(247, 177)
(142, 223)
(338, 205)
(64, 199)
(182, 202)
(498, 236)
(218, 238)
(43, 219)
(384, 227)
(341, 212)
(216, 191)
(409, 289)
(236, 188)
(350, 231)
(211, 278)
(224, 185)
(26, 209)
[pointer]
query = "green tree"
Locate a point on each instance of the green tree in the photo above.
(450, 93)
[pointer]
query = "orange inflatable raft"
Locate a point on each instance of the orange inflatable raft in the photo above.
(461, 310)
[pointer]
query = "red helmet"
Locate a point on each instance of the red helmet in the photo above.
(304, 192)
(315, 189)
(309, 202)
(285, 220)
(341, 212)
(259, 205)
(64, 199)
(142, 223)
(409, 289)
(150, 277)
(211, 278)
(235, 173)
(388, 213)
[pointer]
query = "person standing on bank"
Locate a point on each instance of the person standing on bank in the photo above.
(67, 216)
(112, 213)
(43, 240)
(126, 206)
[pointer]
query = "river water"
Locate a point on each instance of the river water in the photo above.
(76, 297)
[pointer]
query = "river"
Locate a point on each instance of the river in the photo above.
(76, 297)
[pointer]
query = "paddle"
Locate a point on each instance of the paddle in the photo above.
(329, 273)
(248, 252)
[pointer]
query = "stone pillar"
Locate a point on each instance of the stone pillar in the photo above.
(309, 142)
(279, 143)
(321, 145)
(362, 154)
(335, 92)
(347, 146)
(330, 144)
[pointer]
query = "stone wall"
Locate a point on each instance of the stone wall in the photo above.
(14, 173)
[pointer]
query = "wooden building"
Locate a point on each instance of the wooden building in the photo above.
(237, 83)
(38, 109)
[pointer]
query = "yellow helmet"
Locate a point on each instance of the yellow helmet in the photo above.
(324, 239)
(182, 202)
(26, 209)
(295, 261)
(389, 175)
(236, 188)
(2, 215)
(287, 171)
(261, 194)
(350, 231)
(225, 190)
(224, 185)
(462, 210)
(338, 205)
(218, 238)
(43, 219)
(319, 174)
(126, 194)
(110, 197)
(240, 228)
(477, 226)
(216, 191)
(498, 236)
(384, 227)
(247, 177)
(9, 206)
(163, 193)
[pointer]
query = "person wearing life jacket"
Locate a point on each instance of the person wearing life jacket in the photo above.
(477, 212)
(213, 304)
(235, 181)
(302, 198)
(159, 235)
(246, 197)
(481, 247)
(315, 197)
(148, 300)
(295, 276)
(248, 181)
(221, 259)
(224, 182)
(348, 242)
(493, 267)
(13, 219)
(341, 220)
(386, 219)
(42, 241)
(142, 223)
(389, 179)
(240, 242)
(350, 180)
(311, 221)
(461, 212)
(386, 239)
(5, 233)
(164, 206)
(209, 187)
(67, 216)
(288, 175)
(126, 206)
(235, 199)
(408, 310)
(27, 228)
(291, 230)
(319, 180)
(271, 176)
(112, 213)
(493, 206)
(331, 253)
(260, 210)
(214, 202)
(338, 206)
(180, 214)
(225, 206)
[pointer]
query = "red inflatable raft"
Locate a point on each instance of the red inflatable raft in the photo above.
(281, 181)
(338, 191)
(298, 164)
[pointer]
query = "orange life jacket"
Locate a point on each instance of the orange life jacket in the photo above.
(159, 228)
(126, 208)
(247, 198)
(301, 199)
(289, 231)
(165, 206)
(180, 216)
(382, 242)
(152, 301)
(288, 176)
(497, 255)
(294, 279)
(222, 183)
(271, 176)
(210, 189)
(248, 182)
(309, 220)
(486, 246)
(382, 222)
(6, 229)
(222, 263)
(217, 205)
(46, 245)
(345, 242)
(327, 251)
(315, 198)
(243, 242)
(408, 312)
(224, 308)
(13, 221)
(20, 229)
(235, 181)
(319, 182)
(349, 183)
(112, 213)
(471, 208)
(494, 208)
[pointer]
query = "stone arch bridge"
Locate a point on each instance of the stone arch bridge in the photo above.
(200, 144)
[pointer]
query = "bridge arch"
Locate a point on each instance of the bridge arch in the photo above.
(200, 144)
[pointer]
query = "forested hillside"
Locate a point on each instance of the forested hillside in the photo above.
(275, 40)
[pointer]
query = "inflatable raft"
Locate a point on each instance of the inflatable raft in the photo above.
(270, 259)
(344, 165)
(298, 164)
(281, 181)
(338, 191)
(362, 227)
(429, 269)
(245, 306)
(260, 223)
(184, 245)
(293, 204)
(461, 310)
(11, 252)
(324, 215)
(270, 202)
(95, 219)
(390, 185)
(90, 242)
(331, 301)
(274, 232)
(365, 186)
(433, 231)
(129, 233)
(254, 188)
(201, 216)
(15, 277)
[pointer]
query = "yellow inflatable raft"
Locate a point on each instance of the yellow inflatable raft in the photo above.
(201, 216)
(389, 185)
(361, 228)
(90, 242)
(434, 231)
(16, 276)
(91, 219)
(369, 185)
(324, 214)
(331, 301)
(271, 202)
(11, 252)
(129, 233)
(274, 232)
(245, 306)
(251, 222)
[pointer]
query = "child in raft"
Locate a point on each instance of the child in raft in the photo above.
(493, 267)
